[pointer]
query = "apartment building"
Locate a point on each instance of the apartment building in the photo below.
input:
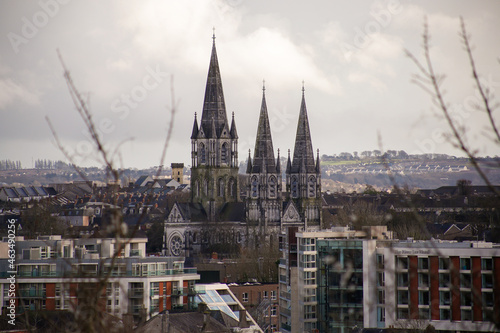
(338, 280)
(51, 273)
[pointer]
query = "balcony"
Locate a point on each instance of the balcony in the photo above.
(136, 293)
(135, 309)
(31, 293)
(135, 253)
(286, 327)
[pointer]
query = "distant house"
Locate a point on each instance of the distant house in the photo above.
(451, 231)
(78, 217)
(144, 181)
(25, 194)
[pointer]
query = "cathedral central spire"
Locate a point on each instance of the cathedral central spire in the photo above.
(214, 106)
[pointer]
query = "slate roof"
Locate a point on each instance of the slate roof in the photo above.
(233, 211)
(192, 211)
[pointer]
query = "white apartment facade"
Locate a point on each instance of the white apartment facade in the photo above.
(50, 271)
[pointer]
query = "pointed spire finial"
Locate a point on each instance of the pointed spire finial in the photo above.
(195, 114)
(288, 153)
(263, 85)
(233, 114)
(303, 89)
(213, 35)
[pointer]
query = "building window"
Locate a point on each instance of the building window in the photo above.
(466, 298)
(402, 263)
(444, 298)
(402, 279)
(402, 296)
(423, 297)
(244, 297)
(295, 187)
(381, 296)
(272, 187)
(487, 281)
(274, 311)
(273, 295)
(403, 313)
(232, 188)
(311, 185)
(265, 294)
(309, 278)
(465, 264)
(205, 187)
(423, 280)
(203, 155)
(255, 187)
(466, 315)
(223, 153)
(488, 299)
(423, 263)
(380, 261)
(444, 280)
(465, 280)
(381, 279)
(423, 313)
(221, 187)
(309, 311)
(444, 314)
(486, 264)
(381, 314)
(444, 263)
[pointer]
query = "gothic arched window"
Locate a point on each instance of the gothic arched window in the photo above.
(272, 187)
(205, 187)
(311, 185)
(295, 187)
(197, 188)
(221, 187)
(232, 188)
(223, 153)
(254, 187)
(203, 154)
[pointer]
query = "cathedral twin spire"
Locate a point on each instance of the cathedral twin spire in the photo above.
(303, 154)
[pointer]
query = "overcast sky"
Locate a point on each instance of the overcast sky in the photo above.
(122, 56)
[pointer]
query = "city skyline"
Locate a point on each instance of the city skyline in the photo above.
(123, 58)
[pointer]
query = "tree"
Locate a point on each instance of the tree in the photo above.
(87, 311)
(432, 83)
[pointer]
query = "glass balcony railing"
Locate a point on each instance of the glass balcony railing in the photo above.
(136, 293)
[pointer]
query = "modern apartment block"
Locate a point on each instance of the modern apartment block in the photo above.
(455, 286)
(51, 273)
(338, 280)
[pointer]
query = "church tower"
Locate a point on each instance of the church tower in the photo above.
(214, 148)
(303, 175)
(263, 205)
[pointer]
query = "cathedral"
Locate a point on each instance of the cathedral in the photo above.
(221, 215)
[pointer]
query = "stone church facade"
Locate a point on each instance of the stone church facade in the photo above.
(217, 219)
